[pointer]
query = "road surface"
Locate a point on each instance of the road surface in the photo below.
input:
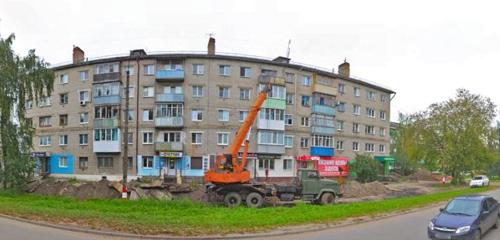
(412, 226)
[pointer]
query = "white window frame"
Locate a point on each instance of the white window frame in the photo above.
(223, 110)
(306, 80)
(355, 146)
(247, 72)
(147, 160)
(340, 145)
(242, 113)
(148, 91)
(152, 137)
(355, 127)
(290, 117)
(304, 142)
(201, 137)
(85, 143)
(194, 117)
(340, 126)
(227, 138)
(381, 148)
(383, 115)
(224, 70)
(63, 78)
(198, 69)
(370, 112)
(63, 140)
(305, 120)
(47, 140)
(289, 137)
(130, 93)
(292, 97)
(85, 73)
(148, 113)
(61, 163)
(199, 90)
(357, 91)
(149, 69)
(356, 109)
(247, 94)
(221, 90)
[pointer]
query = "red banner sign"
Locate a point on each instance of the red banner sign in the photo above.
(333, 167)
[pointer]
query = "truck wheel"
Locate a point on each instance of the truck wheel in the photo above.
(327, 198)
(254, 200)
(232, 199)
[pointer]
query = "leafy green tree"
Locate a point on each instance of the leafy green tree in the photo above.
(21, 79)
(366, 168)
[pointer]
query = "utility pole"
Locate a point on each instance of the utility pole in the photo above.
(125, 137)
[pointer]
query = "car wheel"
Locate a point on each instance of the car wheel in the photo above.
(232, 199)
(254, 200)
(327, 198)
(477, 235)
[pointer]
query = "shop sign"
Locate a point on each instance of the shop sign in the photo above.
(40, 154)
(333, 167)
(171, 154)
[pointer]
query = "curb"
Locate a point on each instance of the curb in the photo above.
(273, 233)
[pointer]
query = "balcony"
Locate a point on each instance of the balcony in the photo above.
(169, 146)
(177, 74)
(107, 100)
(107, 77)
(170, 97)
(274, 80)
(319, 88)
(322, 151)
(323, 109)
(323, 130)
(272, 149)
(271, 124)
(169, 122)
(106, 123)
(274, 103)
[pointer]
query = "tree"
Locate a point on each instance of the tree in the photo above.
(366, 168)
(21, 79)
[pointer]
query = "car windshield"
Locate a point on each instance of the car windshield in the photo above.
(478, 178)
(463, 207)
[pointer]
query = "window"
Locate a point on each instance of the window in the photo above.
(198, 69)
(130, 92)
(196, 138)
(288, 119)
(383, 98)
(44, 121)
(340, 126)
(357, 92)
(106, 112)
(63, 140)
(63, 162)
(369, 147)
(381, 148)
(355, 146)
(130, 114)
(289, 78)
(28, 104)
(245, 72)
(130, 164)
(149, 69)
(147, 138)
(304, 121)
(355, 127)
(223, 115)
(83, 163)
(322, 141)
(271, 137)
(196, 115)
(341, 107)
(243, 115)
(306, 80)
(290, 98)
(44, 101)
(369, 130)
(222, 138)
(304, 142)
(63, 79)
(147, 115)
(148, 92)
(223, 92)
(104, 162)
(147, 162)
(197, 163)
(244, 94)
(370, 95)
(106, 68)
(370, 112)
(84, 75)
(356, 109)
(382, 115)
(130, 69)
(276, 91)
(306, 101)
(340, 145)
(108, 89)
(197, 91)
(130, 138)
(266, 164)
(382, 132)
(287, 164)
(272, 114)
(84, 96)
(288, 141)
(172, 137)
(169, 110)
(83, 139)
(341, 89)
(63, 119)
(63, 98)
(224, 70)
(106, 134)
(45, 141)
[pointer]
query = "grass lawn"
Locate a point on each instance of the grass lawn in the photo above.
(187, 218)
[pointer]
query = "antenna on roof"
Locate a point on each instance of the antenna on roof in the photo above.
(210, 34)
(288, 49)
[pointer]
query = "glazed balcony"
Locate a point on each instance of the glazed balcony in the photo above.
(107, 100)
(169, 122)
(271, 124)
(165, 75)
(107, 77)
(169, 146)
(272, 149)
(170, 97)
(323, 109)
(106, 122)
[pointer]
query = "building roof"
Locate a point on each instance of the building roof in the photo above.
(226, 56)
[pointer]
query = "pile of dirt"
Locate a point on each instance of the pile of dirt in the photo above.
(67, 187)
(422, 175)
(354, 189)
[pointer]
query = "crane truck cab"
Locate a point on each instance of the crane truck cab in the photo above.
(317, 190)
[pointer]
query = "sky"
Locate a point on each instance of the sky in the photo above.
(423, 50)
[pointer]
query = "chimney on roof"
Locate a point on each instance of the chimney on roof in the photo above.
(344, 69)
(138, 53)
(211, 46)
(281, 59)
(78, 55)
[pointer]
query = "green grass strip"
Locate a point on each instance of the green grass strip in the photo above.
(188, 218)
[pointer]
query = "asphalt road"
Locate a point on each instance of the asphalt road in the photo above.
(412, 226)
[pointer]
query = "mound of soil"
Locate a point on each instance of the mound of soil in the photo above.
(354, 189)
(422, 175)
(88, 190)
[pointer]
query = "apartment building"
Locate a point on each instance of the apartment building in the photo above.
(186, 108)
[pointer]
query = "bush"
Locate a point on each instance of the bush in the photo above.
(366, 168)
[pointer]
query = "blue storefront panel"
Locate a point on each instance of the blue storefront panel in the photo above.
(322, 151)
(57, 165)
